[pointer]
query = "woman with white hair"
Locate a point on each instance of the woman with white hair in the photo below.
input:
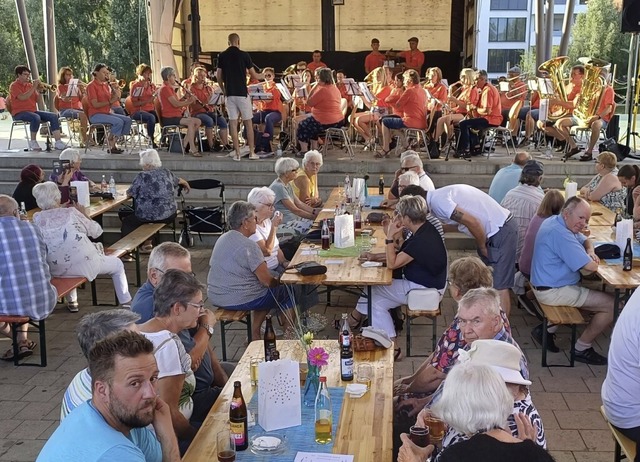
(296, 215)
(75, 174)
(263, 199)
(70, 252)
(476, 402)
(305, 185)
(153, 193)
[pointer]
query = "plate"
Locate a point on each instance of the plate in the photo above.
(268, 443)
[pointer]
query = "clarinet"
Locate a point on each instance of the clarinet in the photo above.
(189, 93)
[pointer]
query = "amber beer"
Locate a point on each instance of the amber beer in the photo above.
(238, 418)
(269, 341)
(226, 456)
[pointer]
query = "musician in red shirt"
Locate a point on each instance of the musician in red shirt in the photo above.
(413, 58)
(142, 93)
(375, 58)
(23, 96)
(101, 96)
(70, 107)
(270, 111)
(209, 115)
(438, 93)
(484, 111)
(380, 89)
(317, 61)
(601, 119)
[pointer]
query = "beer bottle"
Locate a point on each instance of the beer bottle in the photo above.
(357, 218)
(238, 418)
(325, 236)
(381, 186)
(346, 351)
(269, 340)
(627, 257)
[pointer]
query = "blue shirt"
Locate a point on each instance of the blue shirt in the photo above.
(142, 303)
(504, 181)
(558, 255)
(85, 436)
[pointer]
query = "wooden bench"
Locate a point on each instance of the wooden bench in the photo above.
(63, 287)
(423, 303)
(560, 315)
(226, 317)
(625, 448)
(130, 243)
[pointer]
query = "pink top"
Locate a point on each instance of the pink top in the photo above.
(325, 104)
(524, 264)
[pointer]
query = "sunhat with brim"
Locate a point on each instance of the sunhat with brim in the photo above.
(503, 357)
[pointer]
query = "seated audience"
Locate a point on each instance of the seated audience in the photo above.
(297, 216)
(621, 386)
(263, 199)
(30, 176)
(90, 330)
(305, 185)
(476, 401)
(25, 289)
(629, 176)
(239, 278)
(70, 252)
(75, 162)
(508, 177)
(410, 161)
(114, 423)
(420, 263)
(560, 253)
(605, 187)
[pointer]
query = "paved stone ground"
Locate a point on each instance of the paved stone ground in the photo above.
(568, 399)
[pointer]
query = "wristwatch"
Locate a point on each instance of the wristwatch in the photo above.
(389, 241)
(208, 328)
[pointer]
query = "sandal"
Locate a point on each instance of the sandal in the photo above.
(24, 350)
(147, 248)
(397, 354)
(382, 154)
(357, 323)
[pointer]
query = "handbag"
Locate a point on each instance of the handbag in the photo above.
(377, 217)
(620, 150)
(310, 268)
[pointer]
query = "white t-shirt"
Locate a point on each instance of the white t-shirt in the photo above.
(261, 234)
(621, 387)
(425, 182)
(443, 201)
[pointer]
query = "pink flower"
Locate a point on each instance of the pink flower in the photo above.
(318, 357)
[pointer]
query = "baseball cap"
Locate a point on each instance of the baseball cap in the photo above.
(533, 167)
(413, 39)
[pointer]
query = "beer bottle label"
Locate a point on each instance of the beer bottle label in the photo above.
(237, 432)
(346, 369)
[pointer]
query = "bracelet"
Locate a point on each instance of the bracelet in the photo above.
(388, 241)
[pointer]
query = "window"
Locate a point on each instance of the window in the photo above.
(509, 4)
(507, 29)
(497, 60)
(558, 20)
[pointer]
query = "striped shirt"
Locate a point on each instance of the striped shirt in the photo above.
(78, 391)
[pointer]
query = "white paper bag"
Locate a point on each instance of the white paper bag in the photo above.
(358, 190)
(624, 231)
(82, 187)
(279, 403)
(344, 232)
(570, 190)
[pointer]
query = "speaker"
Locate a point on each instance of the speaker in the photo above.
(630, 16)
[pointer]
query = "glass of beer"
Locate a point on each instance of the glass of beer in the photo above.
(364, 374)
(253, 364)
(437, 428)
(419, 436)
(225, 446)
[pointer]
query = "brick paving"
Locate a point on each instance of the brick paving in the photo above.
(568, 399)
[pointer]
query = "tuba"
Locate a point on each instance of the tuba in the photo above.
(592, 89)
(555, 69)
(286, 76)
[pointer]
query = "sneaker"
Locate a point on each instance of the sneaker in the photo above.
(536, 333)
(34, 146)
(253, 156)
(590, 356)
(237, 159)
(60, 145)
(72, 307)
(227, 148)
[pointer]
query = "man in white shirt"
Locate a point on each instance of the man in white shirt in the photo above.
(471, 211)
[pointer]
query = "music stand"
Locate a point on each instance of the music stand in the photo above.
(216, 99)
(352, 87)
(72, 89)
(284, 92)
(137, 92)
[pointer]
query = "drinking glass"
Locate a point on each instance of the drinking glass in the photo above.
(225, 446)
(419, 436)
(364, 374)
(253, 364)
(437, 428)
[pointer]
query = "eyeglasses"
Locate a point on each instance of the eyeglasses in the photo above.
(406, 169)
(294, 170)
(271, 205)
(268, 76)
(200, 305)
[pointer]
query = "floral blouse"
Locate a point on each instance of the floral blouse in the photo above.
(153, 193)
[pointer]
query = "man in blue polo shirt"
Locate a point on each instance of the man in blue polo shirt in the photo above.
(559, 253)
(508, 177)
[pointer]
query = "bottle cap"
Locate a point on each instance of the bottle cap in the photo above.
(237, 383)
(323, 378)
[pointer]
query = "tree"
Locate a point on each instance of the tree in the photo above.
(130, 45)
(596, 34)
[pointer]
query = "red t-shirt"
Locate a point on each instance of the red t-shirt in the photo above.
(100, 92)
(29, 104)
(508, 99)
(168, 109)
(75, 102)
(393, 98)
(465, 96)
(608, 98)
(325, 104)
(413, 104)
(373, 60)
(439, 92)
(381, 96)
(273, 104)
(313, 66)
(490, 100)
(203, 94)
(147, 94)
(413, 59)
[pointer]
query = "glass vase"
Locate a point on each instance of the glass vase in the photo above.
(311, 385)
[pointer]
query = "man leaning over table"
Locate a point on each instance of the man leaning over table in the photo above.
(25, 287)
(560, 252)
(211, 375)
(114, 424)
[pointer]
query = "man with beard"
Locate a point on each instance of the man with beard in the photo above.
(113, 424)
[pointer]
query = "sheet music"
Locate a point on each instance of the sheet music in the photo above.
(532, 84)
(72, 89)
(255, 88)
(446, 82)
(137, 92)
(366, 92)
(389, 63)
(545, 86)
(216, 98)
(543, 112)
(301, 92)
(284, 91)
(503, 86)
(351, 86)
(321, 457)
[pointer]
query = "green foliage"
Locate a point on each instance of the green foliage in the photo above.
(87, 32)
(596, 34)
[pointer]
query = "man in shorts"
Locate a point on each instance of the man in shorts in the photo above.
(559, 253)
(233, 66)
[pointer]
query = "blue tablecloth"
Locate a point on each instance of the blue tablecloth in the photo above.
(300, 438)
(373, 201)
(618, 261)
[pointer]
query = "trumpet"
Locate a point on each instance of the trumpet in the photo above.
(118, 83)
(47, 87)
